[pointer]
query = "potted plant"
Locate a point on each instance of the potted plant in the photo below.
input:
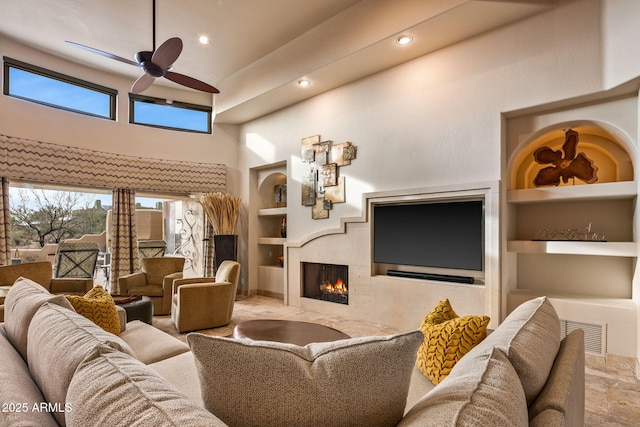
(223, 211)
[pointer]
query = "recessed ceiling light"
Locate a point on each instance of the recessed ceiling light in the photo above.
(204, 39)
(404, 39)
(303, 82)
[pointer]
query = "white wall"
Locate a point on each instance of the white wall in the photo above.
(438, 120)
(435, 120)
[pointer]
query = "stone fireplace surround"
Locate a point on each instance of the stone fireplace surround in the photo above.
(396, 301)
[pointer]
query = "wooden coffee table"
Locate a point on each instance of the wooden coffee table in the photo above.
(287, 331)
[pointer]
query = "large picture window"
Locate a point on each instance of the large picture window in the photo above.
(156, 112)
(46, 87)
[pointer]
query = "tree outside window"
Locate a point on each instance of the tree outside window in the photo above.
(39, 217)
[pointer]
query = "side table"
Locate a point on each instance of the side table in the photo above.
(141, 309)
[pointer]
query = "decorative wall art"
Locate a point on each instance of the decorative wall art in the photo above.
(280, 195)
(565, 166)
(321, 185)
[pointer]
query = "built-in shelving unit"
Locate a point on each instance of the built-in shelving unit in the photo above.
(589, 280)
(267, 252)
(558, 202)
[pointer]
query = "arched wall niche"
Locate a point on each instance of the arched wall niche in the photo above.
(610, 149)
(266, 188)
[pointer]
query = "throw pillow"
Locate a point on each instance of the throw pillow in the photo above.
(98, 306)
(482, 390)
(357, 381)
(113, 389)
(447, 338)
(20, 305)
(19, 388)
(59, 339)
(530, 337)
(440, 313)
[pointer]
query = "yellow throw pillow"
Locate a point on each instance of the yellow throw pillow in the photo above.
(441, 312)
(98, 306)
(447, 338)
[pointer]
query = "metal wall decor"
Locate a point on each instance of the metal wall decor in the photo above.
(567, 164)
(280, 195)
(322, 186)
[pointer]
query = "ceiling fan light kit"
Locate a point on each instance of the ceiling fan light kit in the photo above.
(156, 63)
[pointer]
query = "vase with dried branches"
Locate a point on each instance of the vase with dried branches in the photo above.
(222, 211)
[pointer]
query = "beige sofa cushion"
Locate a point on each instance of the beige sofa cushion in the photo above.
(358, 381)
(530, 337)
(549, 418)
(21, 303)
(18, 392)
(180, 371)
(150, 344)
(114, 389)
(483, 389)
(564, 389)
(59, 339)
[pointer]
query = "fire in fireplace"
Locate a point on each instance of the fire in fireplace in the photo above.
(327, 282)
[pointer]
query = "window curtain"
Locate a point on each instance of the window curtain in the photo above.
(209, 262)
(22, 159)
(5, 224)
(124, 240)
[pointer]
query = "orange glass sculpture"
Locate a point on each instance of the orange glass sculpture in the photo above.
(567, 166)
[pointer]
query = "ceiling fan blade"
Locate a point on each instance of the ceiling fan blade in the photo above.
(190, 82)
(167, 53)
(103, 53)
(143, 82)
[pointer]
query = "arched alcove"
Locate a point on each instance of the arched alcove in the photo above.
(608, 148)
(267, 229)
(266, 189)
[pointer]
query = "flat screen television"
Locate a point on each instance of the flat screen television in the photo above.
(441, 234)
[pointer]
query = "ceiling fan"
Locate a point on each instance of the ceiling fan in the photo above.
(156, 63)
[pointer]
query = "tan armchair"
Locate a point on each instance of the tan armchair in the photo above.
(155, 280)
(205, 302)
(42, 273)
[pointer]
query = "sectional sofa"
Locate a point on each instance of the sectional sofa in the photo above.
(58, 368)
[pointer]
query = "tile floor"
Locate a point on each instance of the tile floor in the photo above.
(612, 390)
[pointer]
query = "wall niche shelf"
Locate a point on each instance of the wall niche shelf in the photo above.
(574, 247)
(272, 212)
(587, 281)
(608, 190)
(267, 250)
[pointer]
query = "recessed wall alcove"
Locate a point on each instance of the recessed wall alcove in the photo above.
(589, 278)
(610, 153)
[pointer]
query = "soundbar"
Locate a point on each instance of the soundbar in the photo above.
(430, 276)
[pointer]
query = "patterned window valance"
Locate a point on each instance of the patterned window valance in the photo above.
(45, 162)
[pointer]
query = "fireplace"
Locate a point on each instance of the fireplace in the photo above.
(326, 282)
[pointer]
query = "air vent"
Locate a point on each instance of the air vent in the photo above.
(595, 335)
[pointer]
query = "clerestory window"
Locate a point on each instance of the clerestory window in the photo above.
(173, 115)
(46, 87)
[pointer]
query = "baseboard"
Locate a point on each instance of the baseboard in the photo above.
(270, 294)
